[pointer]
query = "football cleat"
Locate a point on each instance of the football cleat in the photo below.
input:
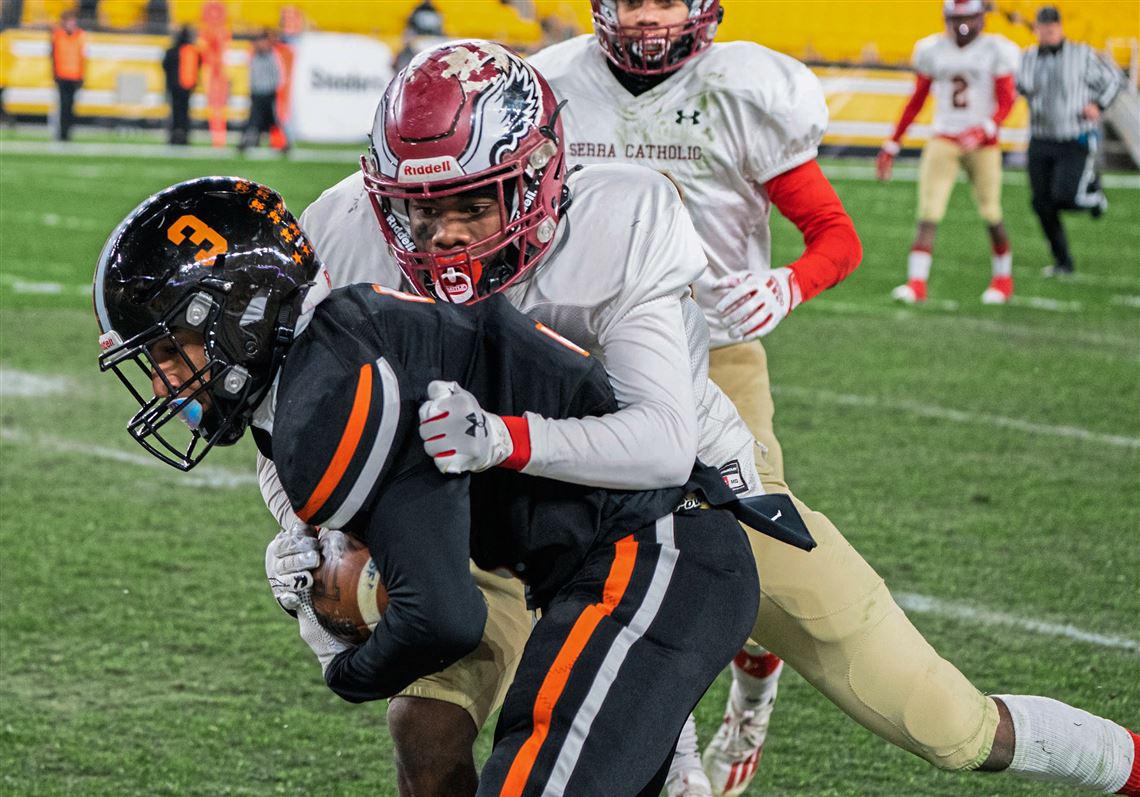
(914, 292)
(1001, 288)
(734, 753)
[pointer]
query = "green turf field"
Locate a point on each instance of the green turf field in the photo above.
(984, 459)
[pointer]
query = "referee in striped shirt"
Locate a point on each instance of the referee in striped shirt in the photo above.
(1068, 85)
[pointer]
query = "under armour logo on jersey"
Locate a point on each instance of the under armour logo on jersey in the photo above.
(693, 117)
(479, 422)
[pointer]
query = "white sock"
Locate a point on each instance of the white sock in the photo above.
(1058, 743)
(1003, 264)
(755, 678)
(918, 265)
(687, 756)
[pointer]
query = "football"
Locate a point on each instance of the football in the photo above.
(347, 595)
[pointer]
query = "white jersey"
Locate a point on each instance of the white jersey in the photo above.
(724, 124)
(962, 78)
(616, 282)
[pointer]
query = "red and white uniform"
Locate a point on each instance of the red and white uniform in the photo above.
(615, 282)
(723, 126)
(964, 80)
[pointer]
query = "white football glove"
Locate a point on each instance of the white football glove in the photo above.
(458, 434)
(753, 304)
(290, 557)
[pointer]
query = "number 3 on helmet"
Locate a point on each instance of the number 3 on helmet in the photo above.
(468, 116)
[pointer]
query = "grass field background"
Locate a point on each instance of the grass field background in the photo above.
(984, 459)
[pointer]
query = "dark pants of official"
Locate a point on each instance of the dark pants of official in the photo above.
(620, 657)
(67, 91)
(179, 116)
(1062, 176)
(262, 116)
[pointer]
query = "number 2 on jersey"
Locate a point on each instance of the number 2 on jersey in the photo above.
(958, 98)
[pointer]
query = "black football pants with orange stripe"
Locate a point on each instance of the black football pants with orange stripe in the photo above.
(620, 656)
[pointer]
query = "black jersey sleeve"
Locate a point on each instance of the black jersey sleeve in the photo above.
(418, 534)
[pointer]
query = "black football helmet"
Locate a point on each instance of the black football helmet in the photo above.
(218, 256)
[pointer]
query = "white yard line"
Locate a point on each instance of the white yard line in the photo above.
(957, 416)
(24, 384)
(1010, 176)
(903, 313)
(927, 604)
(202, 476)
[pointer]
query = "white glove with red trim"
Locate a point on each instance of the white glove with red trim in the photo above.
(973, 137)
(459, 435)
(885, 162)
(753, 304)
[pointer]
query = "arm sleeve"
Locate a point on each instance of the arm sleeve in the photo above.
(1005, 94)
(652, 441)
(913, 105)
(418, 533)
(1025, 81)
(1104, 79)
(273, 493)
(832, 248)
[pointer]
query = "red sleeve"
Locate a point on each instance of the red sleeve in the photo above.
(1005, 92)
(805, 197)
(913, 105)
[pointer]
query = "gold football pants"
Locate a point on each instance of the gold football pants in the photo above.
(829, 615)
(478, 682)
(938, 171)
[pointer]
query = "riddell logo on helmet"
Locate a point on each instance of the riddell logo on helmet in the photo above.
(426, 170)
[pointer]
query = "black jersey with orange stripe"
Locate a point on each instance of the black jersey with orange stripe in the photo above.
(348, 454)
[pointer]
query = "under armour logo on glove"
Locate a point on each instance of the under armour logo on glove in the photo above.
(478, 425)
(458, 434)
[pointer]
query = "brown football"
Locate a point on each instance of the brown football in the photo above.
(348, 597)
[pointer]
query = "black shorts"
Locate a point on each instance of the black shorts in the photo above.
(620, 657)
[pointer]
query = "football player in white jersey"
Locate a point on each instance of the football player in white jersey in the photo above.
(490, 215)
(738, 126)
(971, 75)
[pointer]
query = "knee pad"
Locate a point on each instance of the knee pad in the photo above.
(939, 715)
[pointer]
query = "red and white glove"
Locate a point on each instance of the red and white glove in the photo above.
(885, 162)
(460, 436)
(973, 137)
(753, 304)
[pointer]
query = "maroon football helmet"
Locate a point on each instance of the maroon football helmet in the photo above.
(468, 116)
(655, 50)
(965, 19)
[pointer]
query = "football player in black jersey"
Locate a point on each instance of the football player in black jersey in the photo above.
(216, 314)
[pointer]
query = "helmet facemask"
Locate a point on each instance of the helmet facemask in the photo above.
(656, 50)
(469, 273)
(212, 403)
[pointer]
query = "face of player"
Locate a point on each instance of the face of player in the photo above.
(178, 363)
(455, 222)
(965, 29)
(1049, 34)
(668, 16)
